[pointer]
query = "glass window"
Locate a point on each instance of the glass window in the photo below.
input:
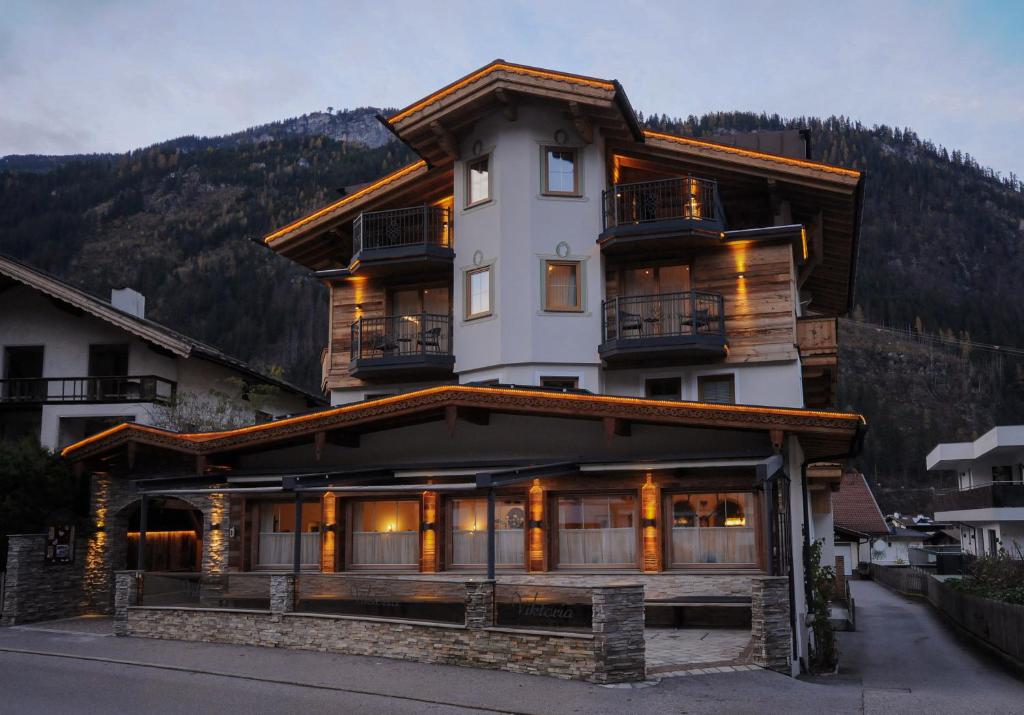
(386, 533)
(664, 388)
(276, 539)
(720, 389)
(478, 181)
(596, 531)
(478, 292)
(560, 383)
(562, 286)
(469, 532)
(560, 171)
(713, 529)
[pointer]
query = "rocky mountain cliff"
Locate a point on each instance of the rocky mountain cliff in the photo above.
(940, 255)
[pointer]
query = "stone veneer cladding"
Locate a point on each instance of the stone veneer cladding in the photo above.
(771, 630)
(37, 591)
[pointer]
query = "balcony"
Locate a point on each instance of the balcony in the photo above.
(665, 215)
(400, 346)
(34, 391)
(686, 327)
(409, 240)
(994, 495)
(817, 340)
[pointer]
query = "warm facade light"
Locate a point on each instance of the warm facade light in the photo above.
(428, 533)
(649, 510)
(329, 545)
(536, 537)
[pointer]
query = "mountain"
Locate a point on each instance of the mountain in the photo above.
(940, 259)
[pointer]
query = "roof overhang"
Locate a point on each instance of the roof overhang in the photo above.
(821, 433)
(1007, 440)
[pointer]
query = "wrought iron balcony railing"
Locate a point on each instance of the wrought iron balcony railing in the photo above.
(665, 315)
(423, 335)
(400, 228)
(62, 390)
(684, 198)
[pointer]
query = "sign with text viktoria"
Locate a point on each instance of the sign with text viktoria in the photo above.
(60, 544)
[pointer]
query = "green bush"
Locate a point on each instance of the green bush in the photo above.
(999, 577)
(36, 487)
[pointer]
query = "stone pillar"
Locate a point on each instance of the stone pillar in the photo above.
(618, 625)
(769, 623)
(215, 542)
(127, 588)
(282, 593)
(479, 604)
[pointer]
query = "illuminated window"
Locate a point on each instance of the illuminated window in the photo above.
(560, 175)
(597, 531)
(478, 292)
(563, 291)
(713, 529)
(469, 532)
(386, 533)
(276, 539)
(478, 181)
(719, 389)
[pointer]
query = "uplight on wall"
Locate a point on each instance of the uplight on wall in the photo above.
(649, 511)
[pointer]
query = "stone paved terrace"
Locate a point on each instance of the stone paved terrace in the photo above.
(675, 649)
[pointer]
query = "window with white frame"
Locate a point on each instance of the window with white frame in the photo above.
(560, 171)
(478, 292)
(563, 287)
(478, 181)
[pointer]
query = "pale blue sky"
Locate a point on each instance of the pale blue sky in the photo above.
(79, 76)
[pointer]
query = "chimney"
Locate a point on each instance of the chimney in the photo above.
(128, 300)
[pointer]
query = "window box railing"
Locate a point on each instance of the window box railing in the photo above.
(682, 199)
(663, 315)
(402, 341)
(61, 390)
(401, 228)
(992, 495)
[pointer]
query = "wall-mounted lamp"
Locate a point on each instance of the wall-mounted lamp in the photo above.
(649, 523)
(536, 524)
(740, 275)
(427, 526)
(215, 527)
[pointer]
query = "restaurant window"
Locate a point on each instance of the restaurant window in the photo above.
(664, 388)
(720, 389)
(560, 171)
(560, 383)
(713, 528)
(478, 293)
(478, 181)
(276, 537)
(597, 531)
(563, 291)
(469, 532)
(386, 533)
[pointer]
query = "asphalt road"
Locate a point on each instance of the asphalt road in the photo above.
(903, 660)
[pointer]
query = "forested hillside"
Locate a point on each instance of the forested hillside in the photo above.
(940, 254)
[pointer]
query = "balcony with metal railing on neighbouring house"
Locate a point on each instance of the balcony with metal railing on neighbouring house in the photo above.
(668, 214)
(684, 326)
(401, 240)
(991, 495)
(31, 391)
(417, 345)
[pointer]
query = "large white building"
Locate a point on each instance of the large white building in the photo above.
(72, 365)
(988, 500)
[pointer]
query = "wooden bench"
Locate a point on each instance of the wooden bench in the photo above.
(681, 604)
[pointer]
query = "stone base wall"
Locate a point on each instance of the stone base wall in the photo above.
(569, 656)
(771, 630)
(38, 591)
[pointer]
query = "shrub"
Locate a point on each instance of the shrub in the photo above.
(999, 577)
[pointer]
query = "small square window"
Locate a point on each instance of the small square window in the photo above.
(720, 389)
(562, 288)
(664, 388)
(560, 383)
(560, 171)
(478, 181)
(478, 292)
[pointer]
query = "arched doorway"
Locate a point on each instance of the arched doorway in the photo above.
(174, 536)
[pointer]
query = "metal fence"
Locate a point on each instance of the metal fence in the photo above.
(402, 336)
(58, 390)
(420, 225)
(662, 315)
(649, 201)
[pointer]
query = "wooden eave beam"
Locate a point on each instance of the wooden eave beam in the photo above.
(583, 125)
(445, 139)
(509, 106)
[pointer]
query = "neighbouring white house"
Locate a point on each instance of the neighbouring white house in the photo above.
(988, 500)
(860, 528)
(72, 365)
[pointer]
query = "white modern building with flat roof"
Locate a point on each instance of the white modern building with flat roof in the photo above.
(988, 501)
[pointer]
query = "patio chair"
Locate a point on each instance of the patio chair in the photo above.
(430, 341)
(698, 322)
(631, 321)
(383, 343)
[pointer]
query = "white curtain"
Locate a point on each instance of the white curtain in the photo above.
(714, 545)
(596, 546)
(385, 548)
(469, 548)
(275, 549)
